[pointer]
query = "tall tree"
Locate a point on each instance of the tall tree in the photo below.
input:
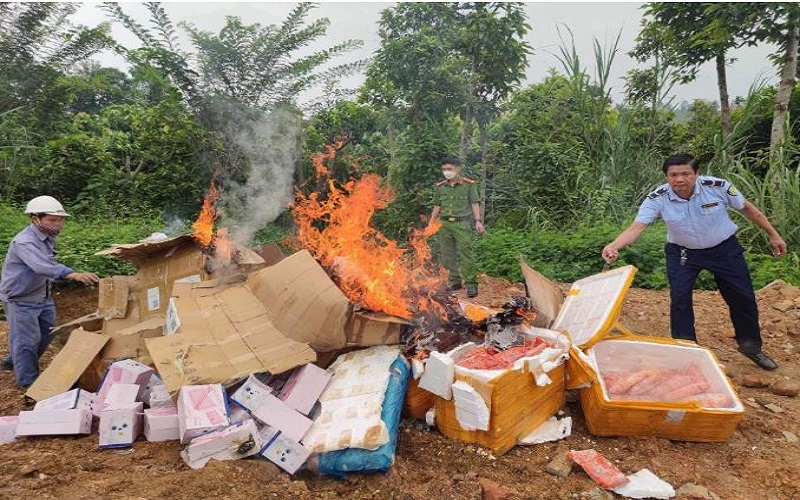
(687, 35)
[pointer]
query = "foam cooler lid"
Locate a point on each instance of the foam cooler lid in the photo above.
(593, 305)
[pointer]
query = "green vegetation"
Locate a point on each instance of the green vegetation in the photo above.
(561, 165)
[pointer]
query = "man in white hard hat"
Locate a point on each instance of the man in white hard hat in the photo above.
(29, 269)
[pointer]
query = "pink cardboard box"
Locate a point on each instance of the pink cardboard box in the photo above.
(285, 452)
(120, 395)
(126, 371)
(304, 387)
(281, 417)
(161, 424)
(54, 422)
(201, 409)
(148, 388)
(70, 400)
(120, 425)
(230, 443)
(251, 394)
(238, 414)
(8, 428)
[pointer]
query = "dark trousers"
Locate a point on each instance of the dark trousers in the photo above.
(726, 263)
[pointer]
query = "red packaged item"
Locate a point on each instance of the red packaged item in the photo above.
(488, 358)
(603, 472)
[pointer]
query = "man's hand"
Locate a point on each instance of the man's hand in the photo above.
(85, 278)
(610, 253)
(778, 246)
(480, 227)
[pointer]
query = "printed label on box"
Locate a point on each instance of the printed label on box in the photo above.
(173, 322)
(153, 299)
(195, 278)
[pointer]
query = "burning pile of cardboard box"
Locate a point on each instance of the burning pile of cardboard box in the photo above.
(223, 362)
(221, 358)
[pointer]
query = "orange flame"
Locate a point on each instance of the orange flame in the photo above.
(319, 160)
(224, 247)
(370, 269)
(204, 225)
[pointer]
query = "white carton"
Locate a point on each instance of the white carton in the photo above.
(201, 409)
(440, 371)
(251, 394)
(8, 428)
(54, 422)
(161, 424)
(230, 443)
(285, 452)
(120, 425)
(76, 398)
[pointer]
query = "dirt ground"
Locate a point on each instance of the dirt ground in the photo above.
(760, 461)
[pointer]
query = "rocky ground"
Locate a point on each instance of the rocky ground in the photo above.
(760, 461)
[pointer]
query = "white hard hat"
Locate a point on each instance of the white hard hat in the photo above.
(45, 205)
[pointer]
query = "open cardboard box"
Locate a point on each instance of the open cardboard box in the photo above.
(588, 315)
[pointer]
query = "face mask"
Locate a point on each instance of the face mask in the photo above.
(49, 229)
(449, 174)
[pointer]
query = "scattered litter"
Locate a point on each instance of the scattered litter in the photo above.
(472, 412)
(645, 484)
(230, 443)
(603, 472)
(430, 417)
(552, 430)
(125, 451)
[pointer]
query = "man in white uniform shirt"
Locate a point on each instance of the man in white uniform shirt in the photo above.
(701, 235)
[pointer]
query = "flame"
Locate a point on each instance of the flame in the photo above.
(371, 269)
(319, 160)
(204, 225)
(223, 246)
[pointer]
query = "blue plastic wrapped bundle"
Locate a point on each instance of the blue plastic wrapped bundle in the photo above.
(340, 463)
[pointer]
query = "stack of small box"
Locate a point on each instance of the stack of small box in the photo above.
(283, 419)
(62, 414)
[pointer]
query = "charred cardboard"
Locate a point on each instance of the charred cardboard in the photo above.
(112, 301)
(367, 328)
(546, 297)
(224, 335)
(81, 349)
(271, 253)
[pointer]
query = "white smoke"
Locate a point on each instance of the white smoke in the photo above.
(271, 144)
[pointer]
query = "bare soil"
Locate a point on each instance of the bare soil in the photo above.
(758, 462)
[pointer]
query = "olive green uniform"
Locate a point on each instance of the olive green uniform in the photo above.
(455, 236)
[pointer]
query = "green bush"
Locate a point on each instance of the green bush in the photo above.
(569, 256)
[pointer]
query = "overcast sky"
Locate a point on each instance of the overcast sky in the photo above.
(359, 20)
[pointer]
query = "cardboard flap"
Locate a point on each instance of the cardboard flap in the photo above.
(92, 322)
(546, 297)
(113, 296)
(68, 365)
(271, 253)
(137, 253)
(593, 305)
(303, 302)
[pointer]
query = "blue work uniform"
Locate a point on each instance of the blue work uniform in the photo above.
(28, 270)
(701, 235)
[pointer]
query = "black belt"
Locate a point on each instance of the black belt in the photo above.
(457, 219)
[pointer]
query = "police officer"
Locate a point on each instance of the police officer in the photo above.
(28, 270)
(701, 235)
(456, 203)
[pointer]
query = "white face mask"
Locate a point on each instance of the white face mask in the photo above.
(449, 174)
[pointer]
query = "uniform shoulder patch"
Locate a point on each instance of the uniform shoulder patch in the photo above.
(441, 183)
(658, 192)
(467, 179)
(713, 182)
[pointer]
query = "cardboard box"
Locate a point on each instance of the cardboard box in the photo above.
(68, 365)
(366, 328)
(128, 342)
(160, 397)
(275, 413)
(238, 414)
(251, 394)
(70, 400)
(113, 296)
(201, 409)
(8, 428)
(126, 371)
(285, 452)
(120, 425)
(161, 424)
(232, 443)
(117, 396)
(148, 389)
(224, 335)
(271, 253)
(304, 387)
(54, 422)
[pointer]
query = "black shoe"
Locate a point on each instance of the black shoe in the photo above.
(472, 291)
(761, 360)
(454, 286)
(6, 366)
